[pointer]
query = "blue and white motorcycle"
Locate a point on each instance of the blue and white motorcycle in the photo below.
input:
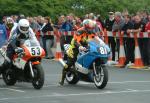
(90, 65)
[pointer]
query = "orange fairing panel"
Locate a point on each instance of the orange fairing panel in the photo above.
(36, 62)
(43, 53)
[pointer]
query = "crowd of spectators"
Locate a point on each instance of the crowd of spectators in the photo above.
(115, 22)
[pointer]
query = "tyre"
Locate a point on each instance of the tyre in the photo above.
(101, 79)
(72, 77)
(38, 80)
(9, 77)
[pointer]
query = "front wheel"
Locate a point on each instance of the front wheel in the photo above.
(38, 80)
(101, 77)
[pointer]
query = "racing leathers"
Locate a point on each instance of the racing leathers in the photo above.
(79, 41)
(15, 40)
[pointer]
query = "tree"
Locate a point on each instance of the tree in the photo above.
(55, 8)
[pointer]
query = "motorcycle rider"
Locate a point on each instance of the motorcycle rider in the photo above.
(79, 42)
(18, 35)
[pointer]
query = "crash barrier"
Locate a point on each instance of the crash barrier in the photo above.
(120, 35)
(138, 63)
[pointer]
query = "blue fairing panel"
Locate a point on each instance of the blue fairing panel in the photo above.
(87, 59)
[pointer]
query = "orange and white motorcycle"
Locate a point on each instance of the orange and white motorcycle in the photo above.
(26, 65)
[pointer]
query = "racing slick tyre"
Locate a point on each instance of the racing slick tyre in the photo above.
(38, 80)
(72, 77)
(9, 77)
(101, 79)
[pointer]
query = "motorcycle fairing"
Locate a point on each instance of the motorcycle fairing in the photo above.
(20, 63)
(88, 58)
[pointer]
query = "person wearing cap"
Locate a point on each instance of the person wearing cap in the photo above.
(111, 40)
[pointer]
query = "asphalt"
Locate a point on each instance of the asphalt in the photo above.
(124, 86)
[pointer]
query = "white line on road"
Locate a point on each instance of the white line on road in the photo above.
(86, 83)
(77, 94)
(16, 90)
(130, 82)
(82, 82)
(123, 82)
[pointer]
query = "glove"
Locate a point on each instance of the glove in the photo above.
(18, 50)
(81, 48)
(70, 52)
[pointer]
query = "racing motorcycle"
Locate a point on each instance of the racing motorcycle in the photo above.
(90, 65)
(26, 65)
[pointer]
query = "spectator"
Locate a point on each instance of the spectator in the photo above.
(129, 43)
(144, 17)
(147, 29)
(111, 40)
(3, 33)
(77, 23)
(91, 16)
(48, 39)
(9, 25)
(67, 25)
(100, 26)
(119, 22)
(98, 18)
(117, 26)
(139, 26)
(34, 25)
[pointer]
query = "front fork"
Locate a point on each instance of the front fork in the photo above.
(31, 69)
(95, 72)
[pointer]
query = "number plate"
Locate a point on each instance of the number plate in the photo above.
(102, 50)
(35, 51)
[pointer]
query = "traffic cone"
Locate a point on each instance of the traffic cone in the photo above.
(122, 57)
(138, 64)
(58, 53)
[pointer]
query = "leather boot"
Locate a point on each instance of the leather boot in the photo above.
(63, 77)
(64, 71)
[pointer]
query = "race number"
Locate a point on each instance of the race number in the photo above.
(103, 50)
(35, 51)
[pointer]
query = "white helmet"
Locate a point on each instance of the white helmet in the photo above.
(89, 24)
(23, 26)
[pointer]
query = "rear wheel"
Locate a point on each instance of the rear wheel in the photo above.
(38, 80)
(9, 77)
(101, 77)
